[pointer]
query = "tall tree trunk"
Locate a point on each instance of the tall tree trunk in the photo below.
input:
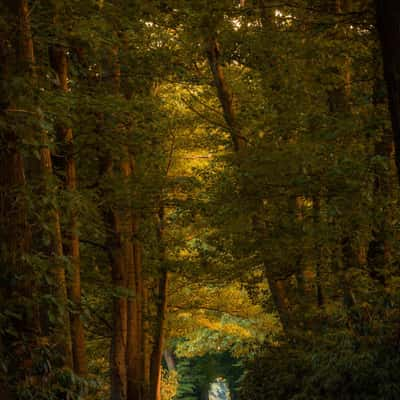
(26, 55)
(142, 314)
(379, 252)
(224, 94)
(159, 337)
(146, 341)
(15, 227)
(388, 25)
(160, 320)
(277, 286)
(116, 227)
(135, 323)
(60, 60)
(318, 256)
(119, 334)
(340, 106)
(62, 331)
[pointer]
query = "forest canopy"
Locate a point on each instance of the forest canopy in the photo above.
(199, 199)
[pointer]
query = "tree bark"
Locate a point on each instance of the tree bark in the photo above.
(318, 256)
(146, 341)
(340, 105)
(27, 59)
(60, 59)
(379, 252)
(116, 226)
(63, 333)
(134, 340)
(159, 338)
(224, 94)
(160, 320)
(16, 52)
(119, 310)
(277, 286)
(388, 25)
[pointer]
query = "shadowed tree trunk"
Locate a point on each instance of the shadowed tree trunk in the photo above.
(339, 103)
(146, 339)
(380, 249)
(388, 25)
(276, 285)
(116, 226)
(63, 334)
(134, 339)
(225, 95)
(159, 325)
(15, 227)
(62, 331)
(60, 61)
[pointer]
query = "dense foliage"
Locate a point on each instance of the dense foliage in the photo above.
(193, 191)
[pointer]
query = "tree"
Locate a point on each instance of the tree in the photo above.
(188, 189)
(387, 19)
